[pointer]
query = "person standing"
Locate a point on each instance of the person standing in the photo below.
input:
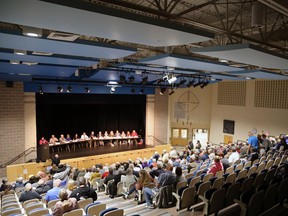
(43, 141)
(56, 160)
(253, 142)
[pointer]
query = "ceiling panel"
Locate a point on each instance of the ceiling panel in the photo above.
(245, 53)
(41, 70)
(95, 24)
(257, 74)
(187, 63)
(46, 60)
(10, 41)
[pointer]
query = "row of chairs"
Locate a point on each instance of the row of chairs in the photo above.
(34, 207)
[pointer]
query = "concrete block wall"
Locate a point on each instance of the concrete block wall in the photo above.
(12, 134)
(161, 117)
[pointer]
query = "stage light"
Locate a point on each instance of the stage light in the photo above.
(131, 79)
(122, 79)
(112, 90)
(69, 89)
(144, 80)
(162, 91)
(59, 89)
(132, 90)
(87, 90)
(172, 92)
(190, 84)
(40, 89)
(182, 82)
(141, 91)
(172, 80)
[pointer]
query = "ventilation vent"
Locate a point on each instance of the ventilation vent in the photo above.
(232, 93)
(62, 36)
(271, 94)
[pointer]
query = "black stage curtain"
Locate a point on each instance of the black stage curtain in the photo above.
(77, 113)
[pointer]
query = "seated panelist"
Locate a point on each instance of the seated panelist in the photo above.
(53, 139)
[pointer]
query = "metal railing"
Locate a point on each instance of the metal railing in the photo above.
(157, 140)
(23, 154)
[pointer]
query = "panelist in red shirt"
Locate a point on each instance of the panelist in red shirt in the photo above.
(43, 141)
(134, 133)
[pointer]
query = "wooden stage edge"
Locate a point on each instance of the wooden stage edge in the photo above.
(26, 169)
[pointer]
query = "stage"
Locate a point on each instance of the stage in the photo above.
(107, 155)
(99, 150)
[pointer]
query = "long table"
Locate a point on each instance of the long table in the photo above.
(99, 141)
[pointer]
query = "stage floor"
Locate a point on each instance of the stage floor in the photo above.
(82, 152)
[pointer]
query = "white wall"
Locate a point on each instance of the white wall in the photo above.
(246, 118)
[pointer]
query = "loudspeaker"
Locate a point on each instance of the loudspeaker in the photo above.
(9, 84)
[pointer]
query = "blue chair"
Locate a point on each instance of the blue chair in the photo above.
(112, 212)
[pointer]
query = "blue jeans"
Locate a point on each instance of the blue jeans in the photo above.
(148, 193)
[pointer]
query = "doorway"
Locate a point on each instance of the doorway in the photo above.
(202, 135)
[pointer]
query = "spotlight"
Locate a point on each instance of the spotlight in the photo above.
(112, 90)
(172, 80)
(162, 90)
(159, 81)
(87, 90)
(131, 79)
(122, 79)
(141, 91)
(198, 83)
(182, 82)
(144, 80)
(69, 89)
(205, 83)
(132, 90)
(190, 84)
(59, 89)
(40, 90)
(172, 92)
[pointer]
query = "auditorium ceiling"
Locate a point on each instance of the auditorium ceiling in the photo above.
(142, 43)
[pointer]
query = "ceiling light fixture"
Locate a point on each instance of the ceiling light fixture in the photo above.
(14, 62)
(87, 90)
(20, 52)
(32, 32)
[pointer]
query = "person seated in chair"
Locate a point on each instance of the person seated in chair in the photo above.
(28, 194)
(65, 204)
(83, 191)
(165, 179)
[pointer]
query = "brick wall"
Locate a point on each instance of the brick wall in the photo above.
(12, 133)
(161, 117)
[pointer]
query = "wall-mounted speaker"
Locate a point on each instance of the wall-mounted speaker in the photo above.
(9, 84)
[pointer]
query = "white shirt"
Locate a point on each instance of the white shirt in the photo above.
(233, 157)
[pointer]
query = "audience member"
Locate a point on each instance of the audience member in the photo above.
(53, 193)
(83, 191)
(55, 160)
(65, 204)
(28, 194)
